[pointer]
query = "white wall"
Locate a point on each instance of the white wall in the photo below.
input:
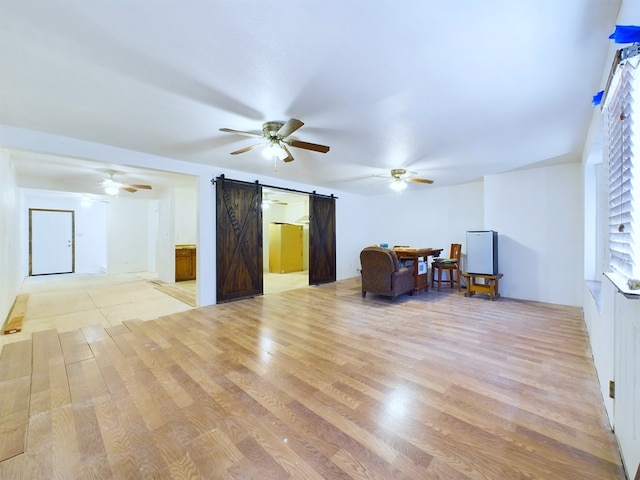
(356, 216)
(600, 324)
(165, 239)
(153, 228)
(89, 225)
(206, 265)
(10, 251)
(428, 217)
(186, 215)
(128, 236)
(129, 225)
(538, 216)
(115, 236)
(598, 296)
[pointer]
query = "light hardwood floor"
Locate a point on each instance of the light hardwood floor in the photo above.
(313, 383)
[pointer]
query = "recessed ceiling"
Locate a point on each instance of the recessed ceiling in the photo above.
(450, 90)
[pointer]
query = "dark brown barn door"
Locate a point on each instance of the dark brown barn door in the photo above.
(322, 239)
(239, 240)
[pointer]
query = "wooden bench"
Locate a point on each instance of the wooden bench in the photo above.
(489, 284)
(16, 315)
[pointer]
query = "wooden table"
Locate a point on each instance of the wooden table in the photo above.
(420, 281)
(490, 288)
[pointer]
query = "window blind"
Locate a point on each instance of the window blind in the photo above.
(622, 122)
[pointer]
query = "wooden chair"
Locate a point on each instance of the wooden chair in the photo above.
(450, 265)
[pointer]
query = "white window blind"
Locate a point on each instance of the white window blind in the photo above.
(621, 112)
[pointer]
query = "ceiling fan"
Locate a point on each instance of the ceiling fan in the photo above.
(400, 176)
(111, 187)
(276, 134)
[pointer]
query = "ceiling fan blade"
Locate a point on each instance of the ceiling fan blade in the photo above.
(288, 128)
(129, 189)
(289, 157)
(246, 149)
(240, 132)
(140, 187)
(419, 180)
(308, 146)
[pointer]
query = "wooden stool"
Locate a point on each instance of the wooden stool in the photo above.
(490, 288)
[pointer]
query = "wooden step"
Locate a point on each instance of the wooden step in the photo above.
(16, 315)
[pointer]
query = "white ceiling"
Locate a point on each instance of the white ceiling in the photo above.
(450, 90)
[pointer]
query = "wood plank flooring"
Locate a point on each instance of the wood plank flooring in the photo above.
(315, 383)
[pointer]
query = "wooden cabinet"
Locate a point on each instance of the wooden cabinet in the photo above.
(285, 248)
(185, 262)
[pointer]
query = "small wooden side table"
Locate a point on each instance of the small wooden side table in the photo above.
(489, 285)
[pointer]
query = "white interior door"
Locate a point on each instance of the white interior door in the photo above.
(51, 241)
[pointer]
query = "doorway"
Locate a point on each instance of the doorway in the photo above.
(282, 208)
(51, 241)
(240, 239)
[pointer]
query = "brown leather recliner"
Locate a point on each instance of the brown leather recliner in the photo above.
(381, 273)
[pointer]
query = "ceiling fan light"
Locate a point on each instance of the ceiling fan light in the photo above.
(111, 187)
(398, 185)
(278, 151)
(275, 150)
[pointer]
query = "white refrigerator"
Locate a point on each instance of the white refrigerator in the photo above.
(482, 252)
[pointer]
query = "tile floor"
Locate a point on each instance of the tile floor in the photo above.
(277, 282)
(66, 302)
(72, 301)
